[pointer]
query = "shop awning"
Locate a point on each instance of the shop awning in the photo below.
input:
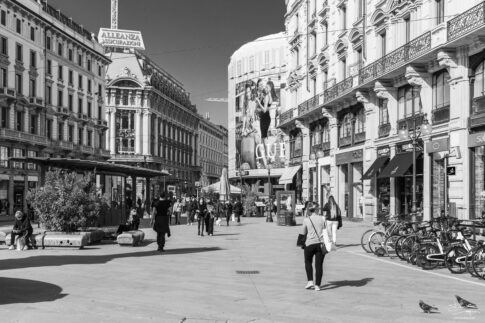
(290, 172)
(375, 167)
(399, 165)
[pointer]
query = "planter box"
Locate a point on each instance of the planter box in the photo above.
(62, 239)
(93, 236)
(131, 238)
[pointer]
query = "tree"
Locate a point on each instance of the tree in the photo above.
(67, 201)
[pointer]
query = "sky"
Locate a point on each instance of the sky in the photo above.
(192, 40)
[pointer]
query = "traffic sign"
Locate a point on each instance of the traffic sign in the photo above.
(451, 170)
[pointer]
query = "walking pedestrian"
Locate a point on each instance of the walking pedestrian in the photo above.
(333, 217)
(317, 243)
(191, 207)
(177, 210)
(160, 220)
(211, 214)
(228, 211)
(238, 210)
(201, 211)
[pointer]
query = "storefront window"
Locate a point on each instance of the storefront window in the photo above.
(404, 189)
(438, 187)
(478, 198)
(3, 156)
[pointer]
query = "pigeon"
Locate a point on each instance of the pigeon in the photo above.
(427, 308)
(464, 303)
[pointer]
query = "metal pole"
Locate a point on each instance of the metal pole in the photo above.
(446, 185)
(317, 199)
(270, 217)
(413, 207)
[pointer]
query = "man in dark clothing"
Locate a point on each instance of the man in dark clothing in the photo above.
(238, 210)
(228, 211)
(191, 206)
(161, 220)
(202, 213)
(22, 229)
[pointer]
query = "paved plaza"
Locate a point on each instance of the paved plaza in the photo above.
(199, 279)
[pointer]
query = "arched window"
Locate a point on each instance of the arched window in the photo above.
(441, 97)
(345, 129)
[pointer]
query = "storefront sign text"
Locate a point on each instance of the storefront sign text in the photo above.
(270, 151)
(476, 139)
(383, 151)
(349, 157)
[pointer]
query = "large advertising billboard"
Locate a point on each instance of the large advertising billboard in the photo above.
(259, 142)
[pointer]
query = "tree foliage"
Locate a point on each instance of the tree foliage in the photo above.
(67, 201)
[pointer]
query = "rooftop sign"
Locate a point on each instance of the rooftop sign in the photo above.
(120, 38)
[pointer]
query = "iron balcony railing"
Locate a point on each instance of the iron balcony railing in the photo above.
(338, 89)
(23, 137)
(384, 130)
(408, 122)
(441, 115)
(308, 105)
(466, 22)
(286, 116)
(56, 13)
(396, 58)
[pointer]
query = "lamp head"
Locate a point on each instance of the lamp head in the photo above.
(403, 134)
(312, 156)
(320, 154)
(426, 128)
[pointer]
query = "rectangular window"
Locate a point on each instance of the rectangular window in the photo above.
(59, 49)
(71, 82)
(89, 110)
(49, 67)
(100, 90)
(17, 152)
(343, 66)
(48, 43)
(80, 82)
(383, 44)
(90, 136)
(32, 33)
(33, 88)
(80, 60)
(33, 59)
(360, 10)
(70, 101)
(60, 131)
(59, 98)
(89, 65)
(71, 133)
(383, 112)
(325, 34)
(99, 116)
(19, 26)
(18, 83)
(33, 124)
(49, 129)
(19, 53)
(80, 136)
(80, 105)
(4, 117)
(4, 46)
(3, 77)
(3, 17)
(441, 97)
(100, 70)
(89, 86)
(48, 93)
(344, 17)
(60, 73)
(408, 99)
(70, 54)
(19, 121)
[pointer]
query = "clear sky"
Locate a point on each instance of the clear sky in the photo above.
(191, 39)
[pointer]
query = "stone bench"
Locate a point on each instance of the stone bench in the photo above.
(130, 238)
(93, 236)
(3, 236)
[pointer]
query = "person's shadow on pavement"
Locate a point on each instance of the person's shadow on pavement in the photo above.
(347, 283)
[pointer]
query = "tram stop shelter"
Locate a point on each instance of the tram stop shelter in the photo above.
(110, 177)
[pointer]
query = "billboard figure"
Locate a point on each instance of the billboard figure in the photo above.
(251, 128)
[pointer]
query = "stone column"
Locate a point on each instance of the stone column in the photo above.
(146, 132)
(26, 191)
(26, 127)
(392, 193)
(138, 129)
(155, 130)
(333, 150)
(305, 132)
(112, 125)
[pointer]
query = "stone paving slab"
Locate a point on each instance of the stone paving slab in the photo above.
(196, 281)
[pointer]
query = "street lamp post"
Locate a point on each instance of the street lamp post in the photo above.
(270, 216)
(403, 134)
(316, 156)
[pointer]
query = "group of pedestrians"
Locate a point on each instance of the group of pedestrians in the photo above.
(320, 232)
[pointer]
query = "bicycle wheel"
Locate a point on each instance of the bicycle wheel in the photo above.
(451, 260)
(376, 241)
(468, 261)
(399, 243)
(407, 247)
(421, 258)
(364, 240)
(391, 245)
(478, 262)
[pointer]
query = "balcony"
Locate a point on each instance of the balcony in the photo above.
(17, 136)
(323, 12)
(466, 22)
(384, 130)
(345, 141)
(338, 89)
(36, 102)
(396, 58)
(308, 105)
(324, 146)
(441, 115)
(66, 145)
(359, 137)
(286, 116)
(7, 93)
(127, 150)
(408, 122)
(87, 150)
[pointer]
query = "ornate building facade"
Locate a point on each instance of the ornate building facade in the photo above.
(212, 150)
(366, 80)
(151, 121)
(51, 94)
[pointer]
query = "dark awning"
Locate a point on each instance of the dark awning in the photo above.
(375, 167)
(399, 165)
(92, 165)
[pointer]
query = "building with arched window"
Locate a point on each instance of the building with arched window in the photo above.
(152, 123)
(376, 74)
